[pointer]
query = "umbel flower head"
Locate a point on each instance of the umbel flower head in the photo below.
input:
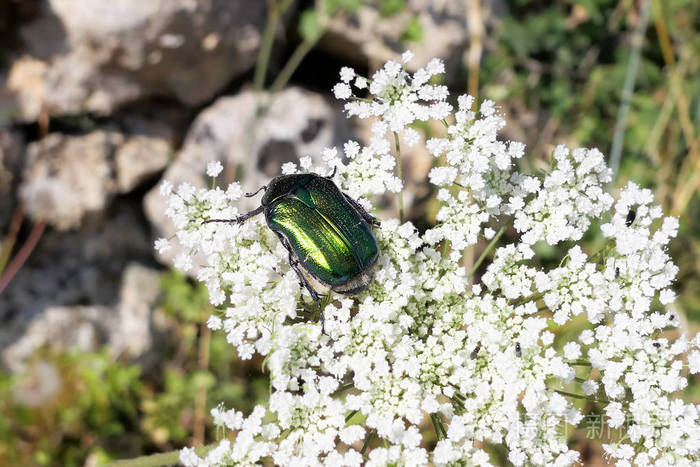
(426, 366)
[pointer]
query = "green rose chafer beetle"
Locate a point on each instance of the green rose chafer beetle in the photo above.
(327, 234)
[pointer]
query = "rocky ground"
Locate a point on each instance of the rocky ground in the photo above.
(101, 100)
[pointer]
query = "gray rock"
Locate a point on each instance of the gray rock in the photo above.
(11, 150)
(255, 143)
(138, 159)
(60, 329)
(68, 177)
(79, 269)
(96, 56)
(9, 108)
(124, 328)
(370, 37)
(131, 334)
(37, 385)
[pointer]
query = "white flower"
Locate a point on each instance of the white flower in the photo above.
(346, 74)
(214, 168)
(694, 362)
(411, 137)
(305, 162)
(667, 296)
(572, 351)
(214, 323)
(162, 245)
(342, 91)
(400, 99)
(188, 458)
(166, 188)
(482, 351)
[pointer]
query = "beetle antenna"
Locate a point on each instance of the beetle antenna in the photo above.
(335, 169)
(238, 219)
(250, 195)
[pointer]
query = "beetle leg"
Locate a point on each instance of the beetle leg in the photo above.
(371, 220)
(294, 263)
(313, 293)
(239, 219)
(335, 169)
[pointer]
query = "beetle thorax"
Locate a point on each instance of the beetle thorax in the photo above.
(284, 185)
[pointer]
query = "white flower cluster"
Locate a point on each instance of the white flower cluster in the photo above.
(398, 97)
(482, 166)
(422, 367)
(572, 195)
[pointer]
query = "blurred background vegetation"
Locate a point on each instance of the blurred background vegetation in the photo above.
(596, 73)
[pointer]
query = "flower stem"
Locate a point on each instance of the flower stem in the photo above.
(628, 88)
(580, 396)
(157, 460)
(439, 428)
(342, 388)
(580, 363)
(486, 251)
(350, 415)
(201, 395)
(365, 445)
(276, 10)
(293, 62)
(9, 242)
(445, 248)
(399, 173)
(22, 254)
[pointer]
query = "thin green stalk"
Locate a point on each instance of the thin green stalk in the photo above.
(445, 248)
(580, 363)
(399, 173)
(628, 88)
(601, 251)
(361, 99)
(276, 10)
(439, 428)
(22, 255)
(350, 415)
(342, 388)
(9, 242)
(157, 460)
(365, 445)
(580, 396)
(486, 251)
(293, 63)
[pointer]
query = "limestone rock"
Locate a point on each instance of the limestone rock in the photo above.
(369, 36)
(67, 177)
(38, 385)
(235, 131)
(11, 151)
(77, 270)
(124, 328)
(96, 56)
(140, 289)
(138, 159)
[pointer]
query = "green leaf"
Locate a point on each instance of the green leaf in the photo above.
(310, 25)
(391, 7)
(349, 6)
(413, 31)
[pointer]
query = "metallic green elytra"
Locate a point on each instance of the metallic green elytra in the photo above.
(328, 234)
